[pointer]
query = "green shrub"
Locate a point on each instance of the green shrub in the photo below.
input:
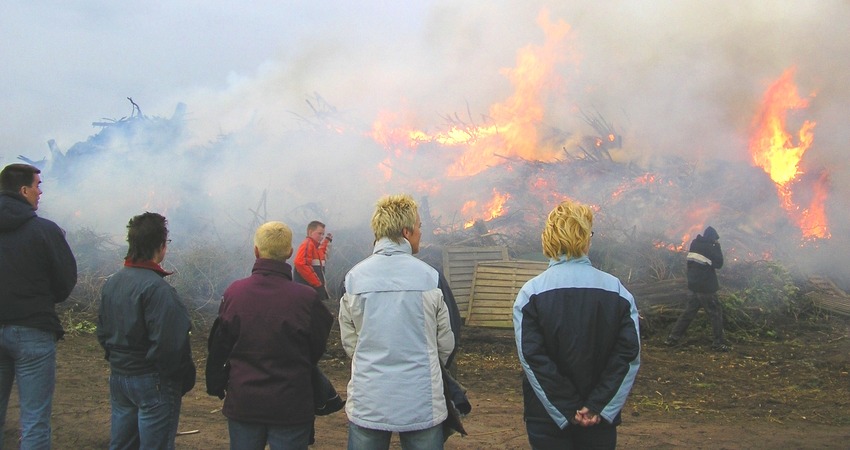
(758, 297)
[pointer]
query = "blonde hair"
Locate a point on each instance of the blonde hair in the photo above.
(393, 214)
(274, 241)
(567, 230)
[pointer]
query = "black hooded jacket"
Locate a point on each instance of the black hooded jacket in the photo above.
(704, 257)
(37, 268)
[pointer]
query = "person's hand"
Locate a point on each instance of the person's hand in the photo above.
(586, 417)
(329, 237)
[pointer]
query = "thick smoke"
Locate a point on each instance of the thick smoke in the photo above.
(279, 101)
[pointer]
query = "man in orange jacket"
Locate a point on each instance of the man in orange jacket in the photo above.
(310, 260)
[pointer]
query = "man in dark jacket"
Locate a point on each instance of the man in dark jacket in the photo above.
(37, 270)
(144, 329)
(273, 332)
(704, 258)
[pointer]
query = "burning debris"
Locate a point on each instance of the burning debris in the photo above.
(488, 179)
(774, 150)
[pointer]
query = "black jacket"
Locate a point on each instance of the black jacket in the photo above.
(144, 327)
(704, 257)
(37, 267)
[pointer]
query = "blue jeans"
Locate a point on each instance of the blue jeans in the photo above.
(145, 411)
(360, 438)
(28, 355)
(254, 436)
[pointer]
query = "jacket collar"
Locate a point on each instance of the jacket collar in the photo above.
(150, 265)
(387, 247)
(273, 267)
(584, 259)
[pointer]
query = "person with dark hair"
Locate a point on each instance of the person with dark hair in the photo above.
(395, 326)
(144, 329)
(704, 258)
(264, 349)
(578, 339)
(310, 259)
(37, 271)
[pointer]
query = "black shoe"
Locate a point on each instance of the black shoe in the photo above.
(333, 405)
(720, 348)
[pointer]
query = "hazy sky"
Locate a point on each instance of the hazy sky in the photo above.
(676, 77)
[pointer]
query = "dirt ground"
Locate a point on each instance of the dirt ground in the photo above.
(789, 393)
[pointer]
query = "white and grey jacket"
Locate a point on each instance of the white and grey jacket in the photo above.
(395, 327)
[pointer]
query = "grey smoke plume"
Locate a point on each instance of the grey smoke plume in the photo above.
(679, 79)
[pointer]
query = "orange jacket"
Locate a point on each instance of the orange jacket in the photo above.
(311, 257)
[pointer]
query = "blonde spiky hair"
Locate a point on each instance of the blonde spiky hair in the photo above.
(393, 214)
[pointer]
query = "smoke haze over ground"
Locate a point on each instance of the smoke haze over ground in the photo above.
(280, 99)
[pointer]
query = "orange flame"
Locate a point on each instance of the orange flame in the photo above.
(774, 150)
(512, 131)
(494, 208)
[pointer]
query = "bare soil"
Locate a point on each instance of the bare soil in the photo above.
(765, 393)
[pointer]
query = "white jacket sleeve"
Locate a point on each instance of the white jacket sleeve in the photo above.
(348, 330)
(445, 336)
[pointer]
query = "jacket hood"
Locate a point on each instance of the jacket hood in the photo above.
(15, 210)
(711, 234)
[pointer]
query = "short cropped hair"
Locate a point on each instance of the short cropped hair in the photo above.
(15, 176)
(274, 241)
(393, 214)
(567, 230)
(146, 233)
(313, 225)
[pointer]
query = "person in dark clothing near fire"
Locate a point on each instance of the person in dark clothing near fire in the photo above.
(271, 333)
(144, 329)
(704, 258)
(37, 271)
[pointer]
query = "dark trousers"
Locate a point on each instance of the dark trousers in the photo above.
(712, 307)
(547, 436)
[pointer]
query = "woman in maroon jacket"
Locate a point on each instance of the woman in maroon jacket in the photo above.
(273, 331)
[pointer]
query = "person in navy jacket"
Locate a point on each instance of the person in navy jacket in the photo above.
(578, 339)
(37, 271)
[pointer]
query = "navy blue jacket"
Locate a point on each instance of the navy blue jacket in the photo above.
(578, 340)
(37, 267)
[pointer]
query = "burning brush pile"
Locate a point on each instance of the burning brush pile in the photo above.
(766, 208)
(487, 180)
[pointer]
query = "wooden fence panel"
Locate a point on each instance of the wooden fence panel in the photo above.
(494, 290)
(459, 268)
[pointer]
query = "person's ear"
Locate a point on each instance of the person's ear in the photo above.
(406, 233)
(256, 252)
(289, 255)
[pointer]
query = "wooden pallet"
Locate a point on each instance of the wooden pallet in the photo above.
(494, 290)
(828, 296)
(459, 269)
